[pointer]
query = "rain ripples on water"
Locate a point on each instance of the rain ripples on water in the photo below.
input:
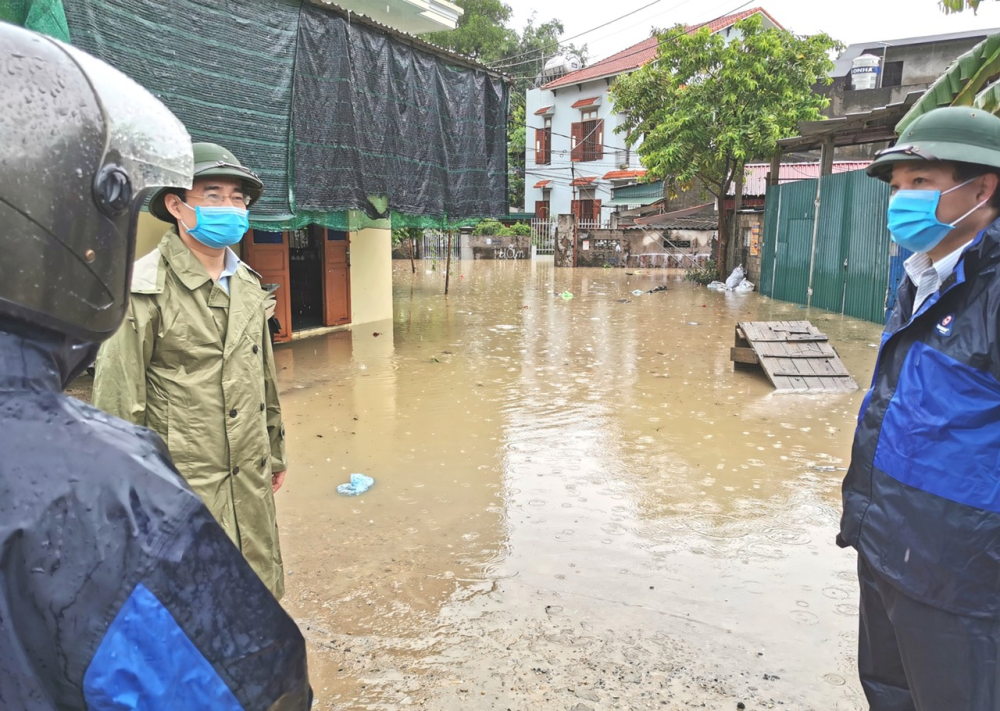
(557, 478)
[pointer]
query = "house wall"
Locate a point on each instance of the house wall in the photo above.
(371, 275)
(561, 170)
(750, 231)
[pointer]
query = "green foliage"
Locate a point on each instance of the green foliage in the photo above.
(516, 137)
(405, 234)
(705, 107)
(482, 32)
(704, 274)
(494, 228)
(952, 6)
(488, 227)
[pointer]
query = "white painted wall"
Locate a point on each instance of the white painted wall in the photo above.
(562, 170)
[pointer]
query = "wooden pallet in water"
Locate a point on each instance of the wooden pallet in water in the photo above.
(795, 356)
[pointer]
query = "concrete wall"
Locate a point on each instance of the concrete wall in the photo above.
(491, 247)
(749, 228)
(371, 276)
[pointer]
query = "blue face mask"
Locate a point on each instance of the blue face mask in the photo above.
(913, 220)
(218, 227)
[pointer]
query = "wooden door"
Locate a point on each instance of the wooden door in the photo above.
(267, 254)
(336, 278)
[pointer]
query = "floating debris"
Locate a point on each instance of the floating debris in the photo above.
(359, 484)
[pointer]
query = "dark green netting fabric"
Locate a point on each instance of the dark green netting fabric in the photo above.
(223, 66)
(373, 116)
(45, 16)
(326, 111)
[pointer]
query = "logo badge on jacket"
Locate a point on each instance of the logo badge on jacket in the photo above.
(944, 328)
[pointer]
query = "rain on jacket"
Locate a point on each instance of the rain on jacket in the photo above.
(195, 365)
(922, 493)
(118, 589)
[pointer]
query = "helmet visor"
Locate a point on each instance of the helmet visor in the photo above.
(151, 144)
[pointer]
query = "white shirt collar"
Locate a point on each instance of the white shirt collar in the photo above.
(928, 276)
(229, 269)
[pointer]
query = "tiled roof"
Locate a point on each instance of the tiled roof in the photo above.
(584, 180)
(624, 174)
(544, 110)
(542, 183)
(584, 103)
(644, 52)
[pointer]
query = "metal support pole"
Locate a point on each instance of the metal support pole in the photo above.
(447, 268)
(826, 164)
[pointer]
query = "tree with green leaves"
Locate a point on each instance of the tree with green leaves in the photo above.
(952, 6)
(482, 33)
(705, 107)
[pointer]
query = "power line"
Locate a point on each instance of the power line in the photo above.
(504, 64)
(672, 38)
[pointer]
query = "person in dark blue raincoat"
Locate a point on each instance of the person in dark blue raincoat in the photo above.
(118, 590)
(922, 494)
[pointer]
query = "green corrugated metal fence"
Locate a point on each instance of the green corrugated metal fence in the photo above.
(851, 265)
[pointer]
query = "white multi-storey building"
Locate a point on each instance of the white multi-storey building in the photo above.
(574, 157)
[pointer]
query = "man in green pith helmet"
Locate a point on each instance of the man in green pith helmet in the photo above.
(193, 360)
(922, 494)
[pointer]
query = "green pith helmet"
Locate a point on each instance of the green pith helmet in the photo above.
(954, 133)
(211, 159)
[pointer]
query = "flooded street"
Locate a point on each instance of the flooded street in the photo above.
(578, 503)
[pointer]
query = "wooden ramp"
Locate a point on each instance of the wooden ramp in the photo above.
(795, 356)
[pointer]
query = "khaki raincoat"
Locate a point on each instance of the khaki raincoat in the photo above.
(195, 365)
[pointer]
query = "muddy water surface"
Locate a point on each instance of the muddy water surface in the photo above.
(578, 503)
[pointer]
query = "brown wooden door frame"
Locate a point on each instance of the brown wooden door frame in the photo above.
(336, 256)
(270, 260)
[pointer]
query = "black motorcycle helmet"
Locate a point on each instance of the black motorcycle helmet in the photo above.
(81, 146)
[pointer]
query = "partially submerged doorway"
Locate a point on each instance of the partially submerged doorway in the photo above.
(306, 277)
(312, 268)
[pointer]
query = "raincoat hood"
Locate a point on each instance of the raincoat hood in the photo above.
(42, 360)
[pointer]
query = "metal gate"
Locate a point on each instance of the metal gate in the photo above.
(435, 245)
(543, 236)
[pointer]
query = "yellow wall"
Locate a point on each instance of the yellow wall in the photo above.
(149, 232)
(371, 276)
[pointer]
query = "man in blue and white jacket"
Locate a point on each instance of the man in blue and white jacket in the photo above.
(922, 495)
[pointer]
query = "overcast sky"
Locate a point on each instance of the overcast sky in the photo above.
(846, 20)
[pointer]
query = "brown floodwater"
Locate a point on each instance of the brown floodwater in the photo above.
(578, 504)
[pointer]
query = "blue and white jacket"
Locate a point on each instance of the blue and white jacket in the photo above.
(922, 494)
(118, 590)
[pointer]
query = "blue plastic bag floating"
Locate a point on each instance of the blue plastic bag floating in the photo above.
(359, 485)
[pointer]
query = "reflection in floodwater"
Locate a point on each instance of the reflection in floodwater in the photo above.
(578, 503)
